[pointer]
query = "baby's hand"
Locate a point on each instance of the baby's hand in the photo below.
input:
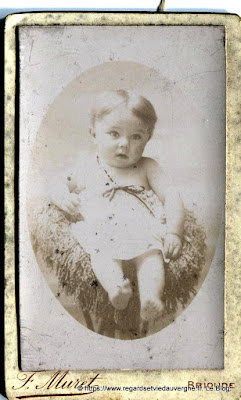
(172, 246)
(69, 203)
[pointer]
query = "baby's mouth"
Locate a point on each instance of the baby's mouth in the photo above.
(121, 155)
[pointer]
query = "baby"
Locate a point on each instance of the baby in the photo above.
(130, 210)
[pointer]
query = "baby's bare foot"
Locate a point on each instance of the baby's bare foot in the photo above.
(121, 295)
(151, 309)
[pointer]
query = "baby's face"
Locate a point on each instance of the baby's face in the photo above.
(121, 138)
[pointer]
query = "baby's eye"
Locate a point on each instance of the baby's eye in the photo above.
(136, 136)
(114, 134)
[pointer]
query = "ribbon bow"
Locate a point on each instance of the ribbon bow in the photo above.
(132, 189)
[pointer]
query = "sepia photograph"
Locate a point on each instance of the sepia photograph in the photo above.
(121, 197)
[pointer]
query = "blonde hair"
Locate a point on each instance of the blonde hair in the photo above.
(108, 101)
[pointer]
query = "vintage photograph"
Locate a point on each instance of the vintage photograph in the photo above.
(121, 196)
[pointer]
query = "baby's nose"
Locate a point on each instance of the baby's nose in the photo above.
(124, 143)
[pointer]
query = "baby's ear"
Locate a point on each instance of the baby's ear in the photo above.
(93, 135)
(150, 133)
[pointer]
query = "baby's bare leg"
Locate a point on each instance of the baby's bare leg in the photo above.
(110, 274)
(151, 280)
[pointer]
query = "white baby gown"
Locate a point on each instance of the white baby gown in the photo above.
(121, 222)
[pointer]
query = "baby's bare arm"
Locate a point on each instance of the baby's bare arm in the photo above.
(64, 192)
(173, 205)
(174, 211)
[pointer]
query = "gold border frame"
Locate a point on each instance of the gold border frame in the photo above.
(20, 384)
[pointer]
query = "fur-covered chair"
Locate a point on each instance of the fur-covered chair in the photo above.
(53, 242)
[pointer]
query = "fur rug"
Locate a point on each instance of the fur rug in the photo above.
(52, 240)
